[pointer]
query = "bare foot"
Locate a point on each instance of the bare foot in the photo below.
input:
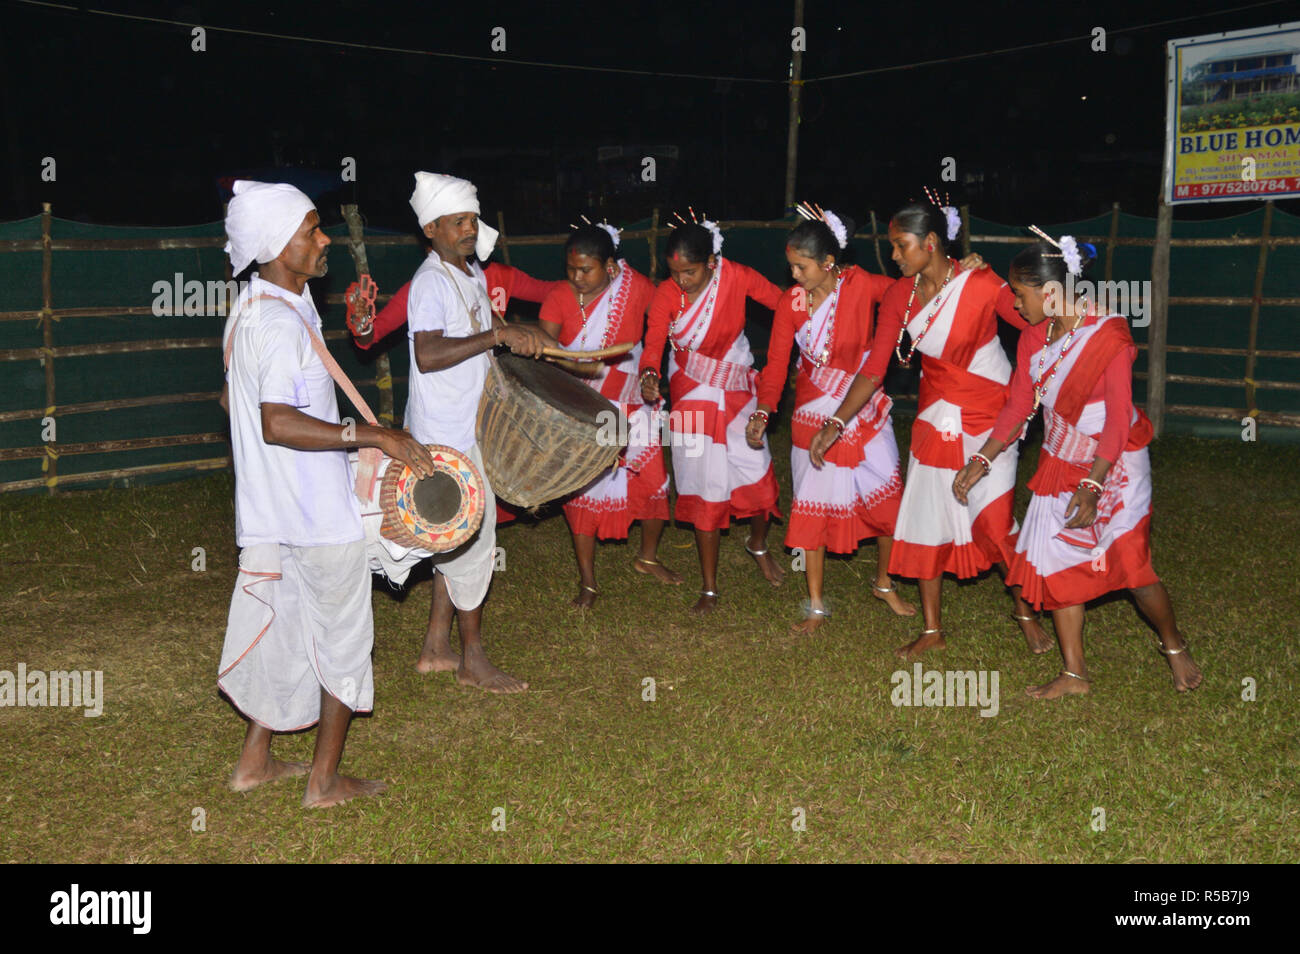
(586, 597)
(807, 626)
(1062, 685)
(895, 602)
(475, 670)
(927, 640)
(245, 780)
(707, 603)
(337, 789)
(657, 570)
(1187, 675)
(767, 565)
(1035, 635)
(438, 660)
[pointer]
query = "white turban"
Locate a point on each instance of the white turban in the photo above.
(261, 219)
(437, 195)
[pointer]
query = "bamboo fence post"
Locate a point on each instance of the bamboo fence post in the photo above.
(505, 244)
(875, 242)
(965, 239)
(383, 370)
(1110, 242)
(50, 462)
(1256, 295)
(792, 132)
(653, 239)
(1158, 332)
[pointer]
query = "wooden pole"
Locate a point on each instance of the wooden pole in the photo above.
(1158, 332)
(50, 463)
(653, 239)
(383, 370)
(1110, 242)
(505, 245)
(1267, 230)
(875, 242)
(792, 135)
(965, 239)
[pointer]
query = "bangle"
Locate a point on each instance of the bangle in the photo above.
(984, 461)
(649, 371)
(762, 414)
(839, 425)
(1092, 484)
(496, 336)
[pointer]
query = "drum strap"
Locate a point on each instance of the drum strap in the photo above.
(369, 457)
(478, 329)
(473, 322)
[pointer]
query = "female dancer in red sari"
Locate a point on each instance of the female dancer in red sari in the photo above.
(711, 381)
(847, 482)
(602, 304)
(1088, 528)
(950, 313)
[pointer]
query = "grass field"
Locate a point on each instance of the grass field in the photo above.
(749, 723)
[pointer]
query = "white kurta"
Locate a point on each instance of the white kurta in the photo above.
(443, 407)
(300, 618)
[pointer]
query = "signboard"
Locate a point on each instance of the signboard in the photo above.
(1233, 116)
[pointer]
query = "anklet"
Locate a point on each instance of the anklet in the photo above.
(892, 588)
(1074, 675)
(1025, 619)
(755, 553)
(589, 589)
(1173, 652)
(813, 611)
(927, 632)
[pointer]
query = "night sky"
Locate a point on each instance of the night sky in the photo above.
(143, 128)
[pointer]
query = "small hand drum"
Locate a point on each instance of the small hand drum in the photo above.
(436, 513)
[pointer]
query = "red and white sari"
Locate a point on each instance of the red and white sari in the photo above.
(712, 387)
(964, 381)
(1087, 412)
(857, 492)
(637, 487)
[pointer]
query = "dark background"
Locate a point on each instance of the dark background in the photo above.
(145, 131)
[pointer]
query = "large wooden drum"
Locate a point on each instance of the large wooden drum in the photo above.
(543, 433)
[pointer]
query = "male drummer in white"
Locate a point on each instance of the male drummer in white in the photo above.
(300, 630)
(451, 329)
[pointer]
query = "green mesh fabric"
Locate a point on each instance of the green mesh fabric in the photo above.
(135, 278)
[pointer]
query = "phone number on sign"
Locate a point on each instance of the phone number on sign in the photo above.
(1235, 187)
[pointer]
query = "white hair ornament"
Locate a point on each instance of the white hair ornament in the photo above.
(815, 213)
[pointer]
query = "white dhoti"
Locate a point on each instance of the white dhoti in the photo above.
(300, 621)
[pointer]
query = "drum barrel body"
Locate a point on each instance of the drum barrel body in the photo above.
(543, 433)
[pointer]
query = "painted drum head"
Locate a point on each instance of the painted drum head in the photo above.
(436, 513)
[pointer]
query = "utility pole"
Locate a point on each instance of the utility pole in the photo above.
(796, 87)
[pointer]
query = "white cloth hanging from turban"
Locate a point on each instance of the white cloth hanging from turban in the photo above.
(437, 195)
(261, 219)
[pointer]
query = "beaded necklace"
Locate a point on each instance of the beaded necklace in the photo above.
(1041, 386)
(907, 312)
(833, 302)
(705, 312)
(581, 336)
